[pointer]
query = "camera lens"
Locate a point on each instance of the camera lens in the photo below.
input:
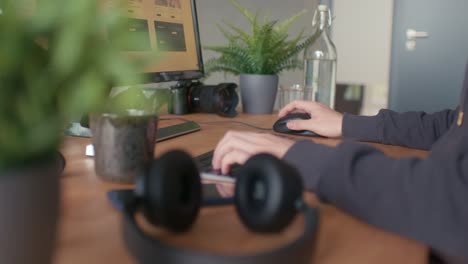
(221, 99)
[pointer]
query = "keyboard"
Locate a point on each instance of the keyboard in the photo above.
(164, 133)
(203, 162)
(176, 130)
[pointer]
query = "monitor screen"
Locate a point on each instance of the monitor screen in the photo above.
(169, 27)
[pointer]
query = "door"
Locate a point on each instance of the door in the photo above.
(429, 54)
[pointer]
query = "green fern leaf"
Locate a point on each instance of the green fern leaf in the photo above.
(266, 49)
(249, 15)
(284, 26)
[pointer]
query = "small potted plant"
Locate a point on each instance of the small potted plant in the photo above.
(54, 64)
(258, 57)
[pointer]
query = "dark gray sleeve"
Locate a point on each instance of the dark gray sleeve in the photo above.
(421, 199)
(410, 129)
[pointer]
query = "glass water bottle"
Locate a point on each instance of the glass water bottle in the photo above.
(320, 61)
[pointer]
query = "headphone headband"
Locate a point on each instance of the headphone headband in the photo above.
(268, 194)
(148, 250)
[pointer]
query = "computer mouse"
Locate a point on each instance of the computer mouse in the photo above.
(280, 125)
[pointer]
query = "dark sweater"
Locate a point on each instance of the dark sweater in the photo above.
(423, 199)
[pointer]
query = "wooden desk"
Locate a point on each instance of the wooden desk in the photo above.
(90, 232)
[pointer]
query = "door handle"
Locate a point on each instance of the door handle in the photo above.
(412, 34)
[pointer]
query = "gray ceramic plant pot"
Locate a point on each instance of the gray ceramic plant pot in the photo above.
(258, 93)
(29, 206)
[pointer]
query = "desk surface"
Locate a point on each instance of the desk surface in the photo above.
(89, 230)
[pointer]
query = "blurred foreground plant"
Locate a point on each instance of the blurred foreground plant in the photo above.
(55, 63)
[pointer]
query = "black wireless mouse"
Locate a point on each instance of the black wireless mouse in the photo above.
(280, 125)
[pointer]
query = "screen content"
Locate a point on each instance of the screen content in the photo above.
(165, 26)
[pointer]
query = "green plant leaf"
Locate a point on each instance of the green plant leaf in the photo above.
(266, 49)
(43, 84)
(286, 24)
(249, 15)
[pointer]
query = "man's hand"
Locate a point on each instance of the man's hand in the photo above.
(237, 147)
(324, 120)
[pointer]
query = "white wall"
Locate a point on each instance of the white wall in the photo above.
(362, 32)
(212, 12)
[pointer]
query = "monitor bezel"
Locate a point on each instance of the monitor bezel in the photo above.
(183, 74)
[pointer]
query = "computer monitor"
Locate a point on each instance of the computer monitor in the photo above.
(169, 27)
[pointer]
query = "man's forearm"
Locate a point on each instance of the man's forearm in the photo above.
(410, 129)
(415, 198)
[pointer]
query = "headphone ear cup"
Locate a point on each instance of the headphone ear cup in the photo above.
(170, 191)
(266, 192)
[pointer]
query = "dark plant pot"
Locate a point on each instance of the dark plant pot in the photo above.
(258, 93)
(122, 143)
(29, 207)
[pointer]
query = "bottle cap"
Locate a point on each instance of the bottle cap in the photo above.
(322, 8)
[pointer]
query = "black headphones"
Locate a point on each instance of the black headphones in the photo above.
(268, 194)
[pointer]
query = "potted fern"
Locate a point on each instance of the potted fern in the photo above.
(54, 65)
(258, 57)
